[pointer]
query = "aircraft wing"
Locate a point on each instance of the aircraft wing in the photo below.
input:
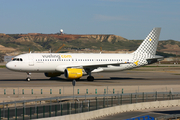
(61, 68)
(104, 65)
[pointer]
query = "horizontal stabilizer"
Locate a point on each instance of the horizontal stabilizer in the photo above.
(154, 59)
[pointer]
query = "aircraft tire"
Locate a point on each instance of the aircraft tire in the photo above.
(90, 78)
(28, 79)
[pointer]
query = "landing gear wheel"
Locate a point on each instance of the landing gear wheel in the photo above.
(28, 79)
(90, 78)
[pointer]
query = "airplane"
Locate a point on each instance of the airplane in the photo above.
(76, 65)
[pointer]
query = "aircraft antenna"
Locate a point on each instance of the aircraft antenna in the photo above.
(100, 50)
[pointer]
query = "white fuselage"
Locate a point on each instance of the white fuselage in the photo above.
(58, 62)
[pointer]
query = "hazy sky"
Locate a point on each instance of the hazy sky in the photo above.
(132, 19)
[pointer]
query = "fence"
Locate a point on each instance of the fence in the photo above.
(64, 105)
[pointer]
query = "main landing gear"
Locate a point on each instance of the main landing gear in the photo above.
(90, 78)
(28, 77)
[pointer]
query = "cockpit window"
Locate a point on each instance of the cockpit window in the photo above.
(17, 59)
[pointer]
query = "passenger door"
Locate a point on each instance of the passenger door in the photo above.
(31, 62)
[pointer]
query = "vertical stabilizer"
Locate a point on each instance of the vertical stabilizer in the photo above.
(149, 45)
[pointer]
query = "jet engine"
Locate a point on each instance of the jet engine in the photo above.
(51, 74)
(73, 73)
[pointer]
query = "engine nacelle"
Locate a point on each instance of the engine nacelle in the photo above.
(51, 74)
(73, 73)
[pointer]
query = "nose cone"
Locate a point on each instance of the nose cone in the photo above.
(9, 66)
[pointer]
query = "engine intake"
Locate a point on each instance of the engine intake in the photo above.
(73, 73)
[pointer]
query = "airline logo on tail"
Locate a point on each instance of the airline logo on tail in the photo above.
(149, 45)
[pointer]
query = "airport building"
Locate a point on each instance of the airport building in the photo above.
(8, 58)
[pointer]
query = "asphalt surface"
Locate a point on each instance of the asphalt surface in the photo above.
(140, 76)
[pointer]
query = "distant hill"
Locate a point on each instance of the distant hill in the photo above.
(44, 42)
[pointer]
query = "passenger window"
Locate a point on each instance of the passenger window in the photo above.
(21, 59)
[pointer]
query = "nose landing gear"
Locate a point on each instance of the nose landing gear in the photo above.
(28, 77)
